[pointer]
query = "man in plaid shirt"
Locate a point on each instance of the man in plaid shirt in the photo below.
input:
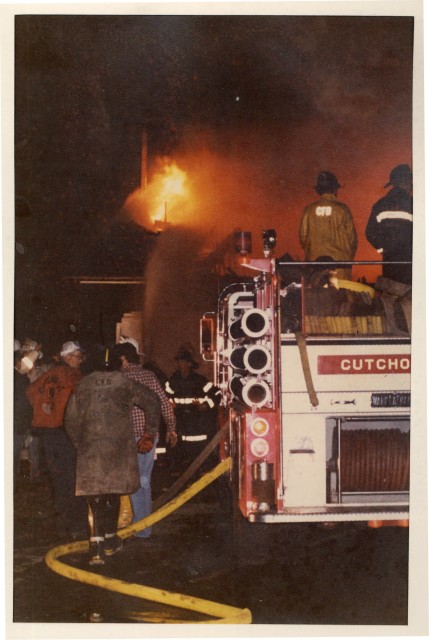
(141, 500)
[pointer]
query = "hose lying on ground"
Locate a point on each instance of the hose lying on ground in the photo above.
(225, 614)
(189, 472)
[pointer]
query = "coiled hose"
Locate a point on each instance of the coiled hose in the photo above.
(220, 613)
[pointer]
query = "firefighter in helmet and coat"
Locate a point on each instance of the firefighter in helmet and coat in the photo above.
(390, 231)
(327, 227)
(195, 400)
(390, 225)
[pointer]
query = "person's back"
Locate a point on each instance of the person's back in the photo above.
(105, 439)
(325, 230)
(98, 421)
(327, 227)
(390, 225)
(48, 396)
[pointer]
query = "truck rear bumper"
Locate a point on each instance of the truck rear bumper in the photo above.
(332, 514)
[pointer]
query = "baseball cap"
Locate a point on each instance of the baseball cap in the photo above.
(70, 347)
(29, 345)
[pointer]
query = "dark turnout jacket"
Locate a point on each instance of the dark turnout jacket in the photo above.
(183, 391)
(390, 231)
(98, 421)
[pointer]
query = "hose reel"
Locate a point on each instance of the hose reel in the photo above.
(375, 460)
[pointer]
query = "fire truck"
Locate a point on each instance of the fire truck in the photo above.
(317, 401)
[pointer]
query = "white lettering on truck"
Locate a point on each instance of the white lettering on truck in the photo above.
(363, 364)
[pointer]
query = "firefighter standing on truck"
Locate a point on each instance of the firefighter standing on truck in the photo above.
(327, 227)
(195, 400)
(390, 231)
(390, 225)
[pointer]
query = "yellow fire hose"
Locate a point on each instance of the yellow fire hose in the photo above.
(222, 614)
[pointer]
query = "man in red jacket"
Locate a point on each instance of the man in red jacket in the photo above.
(48, 396)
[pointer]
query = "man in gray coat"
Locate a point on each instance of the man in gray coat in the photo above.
(98, 421)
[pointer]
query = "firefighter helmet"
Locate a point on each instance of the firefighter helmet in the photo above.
(398, 175)
(185, 354)
(327, 182)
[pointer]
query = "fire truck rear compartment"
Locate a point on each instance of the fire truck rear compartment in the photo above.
(344, 468)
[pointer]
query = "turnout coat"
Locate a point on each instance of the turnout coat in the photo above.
(98, 421)
(327, 229)
(390, 231)
(194, 419)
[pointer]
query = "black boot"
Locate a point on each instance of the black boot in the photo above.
(112, 544)
(96, 551)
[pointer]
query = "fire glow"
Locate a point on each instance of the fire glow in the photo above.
(164, 201)
(167, 192)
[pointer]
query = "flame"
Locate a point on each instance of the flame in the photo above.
(166, 200)
(167, 192)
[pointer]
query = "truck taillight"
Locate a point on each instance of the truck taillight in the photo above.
(259, 427)
(260, 448)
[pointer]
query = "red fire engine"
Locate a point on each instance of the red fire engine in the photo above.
(317, 402)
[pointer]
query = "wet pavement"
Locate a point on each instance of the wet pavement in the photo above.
(285, 574)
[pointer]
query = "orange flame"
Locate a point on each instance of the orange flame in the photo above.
(165, 200)
(168, 192)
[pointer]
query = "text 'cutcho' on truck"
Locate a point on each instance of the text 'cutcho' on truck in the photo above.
(315, 380)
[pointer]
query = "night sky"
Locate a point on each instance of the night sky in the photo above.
(250, 107)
